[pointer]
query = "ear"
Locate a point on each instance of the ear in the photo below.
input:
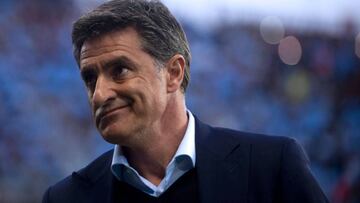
(175, 72)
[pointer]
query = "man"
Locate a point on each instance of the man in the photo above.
(134, 59)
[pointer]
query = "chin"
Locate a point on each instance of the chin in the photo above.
(114, 137)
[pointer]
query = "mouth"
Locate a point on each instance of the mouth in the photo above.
(103, 115)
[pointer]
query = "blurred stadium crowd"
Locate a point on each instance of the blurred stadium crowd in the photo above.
(238, 81)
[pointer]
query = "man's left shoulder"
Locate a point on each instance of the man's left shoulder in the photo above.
(225, 141)
(268, 148)
(254, 139)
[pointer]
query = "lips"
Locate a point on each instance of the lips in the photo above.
(102, 113)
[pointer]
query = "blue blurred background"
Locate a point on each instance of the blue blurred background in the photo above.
(288, 68)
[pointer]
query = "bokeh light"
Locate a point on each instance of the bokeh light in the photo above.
(357, 45)
(272, 29)
(290, 50)
(297, 86)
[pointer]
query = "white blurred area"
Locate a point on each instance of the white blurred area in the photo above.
(312, 14)
(325, 15)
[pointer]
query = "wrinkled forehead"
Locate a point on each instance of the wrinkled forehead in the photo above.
(126, 39)
(113, 44)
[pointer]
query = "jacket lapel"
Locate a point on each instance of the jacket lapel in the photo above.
(222, 164)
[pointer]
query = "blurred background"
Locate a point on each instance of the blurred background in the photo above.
(289, 68)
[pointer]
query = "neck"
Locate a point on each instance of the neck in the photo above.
(152, 157)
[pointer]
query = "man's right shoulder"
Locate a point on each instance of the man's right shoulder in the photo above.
(71, 187)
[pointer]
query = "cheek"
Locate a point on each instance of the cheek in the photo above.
(150, 97)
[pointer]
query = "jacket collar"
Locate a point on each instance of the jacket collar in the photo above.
(222, 165)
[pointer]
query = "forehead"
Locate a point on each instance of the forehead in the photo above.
(119, 42)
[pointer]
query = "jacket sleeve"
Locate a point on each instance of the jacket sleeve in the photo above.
(297, 182)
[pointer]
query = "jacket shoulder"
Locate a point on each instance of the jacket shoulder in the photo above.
(255, 139)
(70, 187)
(222, 141)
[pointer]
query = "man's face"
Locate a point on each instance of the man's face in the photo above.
(127, 91)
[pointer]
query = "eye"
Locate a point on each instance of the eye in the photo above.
(119, 73)
(89, 79)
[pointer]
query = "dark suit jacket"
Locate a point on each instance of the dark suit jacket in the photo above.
(232, 166)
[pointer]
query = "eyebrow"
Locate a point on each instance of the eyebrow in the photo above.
(122, 61)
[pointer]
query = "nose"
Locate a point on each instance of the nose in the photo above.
(103, 92)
